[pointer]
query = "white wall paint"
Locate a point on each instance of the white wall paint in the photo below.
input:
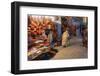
(5, 27)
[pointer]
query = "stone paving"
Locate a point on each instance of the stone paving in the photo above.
(74, 51)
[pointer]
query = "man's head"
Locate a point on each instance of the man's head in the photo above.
(56, 17)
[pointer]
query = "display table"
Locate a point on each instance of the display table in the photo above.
(40, 47)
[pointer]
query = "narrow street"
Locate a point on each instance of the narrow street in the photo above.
(74, 51)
